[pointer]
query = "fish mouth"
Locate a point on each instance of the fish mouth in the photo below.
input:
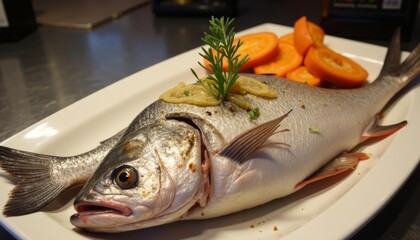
(93, 215)
(90, 208)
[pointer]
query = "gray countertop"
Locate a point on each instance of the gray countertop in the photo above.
(54, 67)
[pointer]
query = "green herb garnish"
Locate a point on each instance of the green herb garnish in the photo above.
(314, 130)
(221, 49)
(186, 93)
(254, 113)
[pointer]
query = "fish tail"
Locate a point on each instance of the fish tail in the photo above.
(392, 69)
(410, 68)
(41, 178)
(36, 185)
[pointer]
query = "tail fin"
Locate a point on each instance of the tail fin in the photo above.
(410, 68)
(41, 178)
(36, 186)
(407, 70)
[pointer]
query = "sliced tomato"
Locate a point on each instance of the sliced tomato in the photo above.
(288, 38)
(301, 74)
(261, 48)
(301, 37)
(317, 34)
(307, 34)
(334, 68)
(286, 60)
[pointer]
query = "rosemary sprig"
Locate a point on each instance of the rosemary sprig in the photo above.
(221, 49)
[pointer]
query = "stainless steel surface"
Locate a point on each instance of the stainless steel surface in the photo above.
(54, 67)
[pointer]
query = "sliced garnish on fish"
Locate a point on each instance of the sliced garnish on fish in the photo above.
(343, 163)
(246, 143)
(375, 130)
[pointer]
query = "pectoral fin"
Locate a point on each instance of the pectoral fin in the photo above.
(376, 130)
(341, 164)
(242, 146)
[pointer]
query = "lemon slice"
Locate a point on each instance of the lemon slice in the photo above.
(198, 95)
(191, 94)
(240, 101)
(244, 85)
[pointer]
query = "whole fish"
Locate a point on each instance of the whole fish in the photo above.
(179, 161)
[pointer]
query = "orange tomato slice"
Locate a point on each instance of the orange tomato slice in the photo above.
(302, 39)
(288, 38)
(307, 34)
(261, 48)
(286, 60)
(301, 74)
(317, 34)
(334, 68)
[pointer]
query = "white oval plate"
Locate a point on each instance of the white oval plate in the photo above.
(307, 214)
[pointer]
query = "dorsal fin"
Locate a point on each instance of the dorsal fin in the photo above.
(246, 143)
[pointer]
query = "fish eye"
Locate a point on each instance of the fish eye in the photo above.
(126, 177)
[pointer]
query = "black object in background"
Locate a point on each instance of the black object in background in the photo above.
(196, 8)
(369, 19)
(17, 19)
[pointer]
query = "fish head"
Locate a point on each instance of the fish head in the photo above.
(151, 177)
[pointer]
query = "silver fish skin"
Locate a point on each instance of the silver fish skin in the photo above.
(231, 181)
(218, 179)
